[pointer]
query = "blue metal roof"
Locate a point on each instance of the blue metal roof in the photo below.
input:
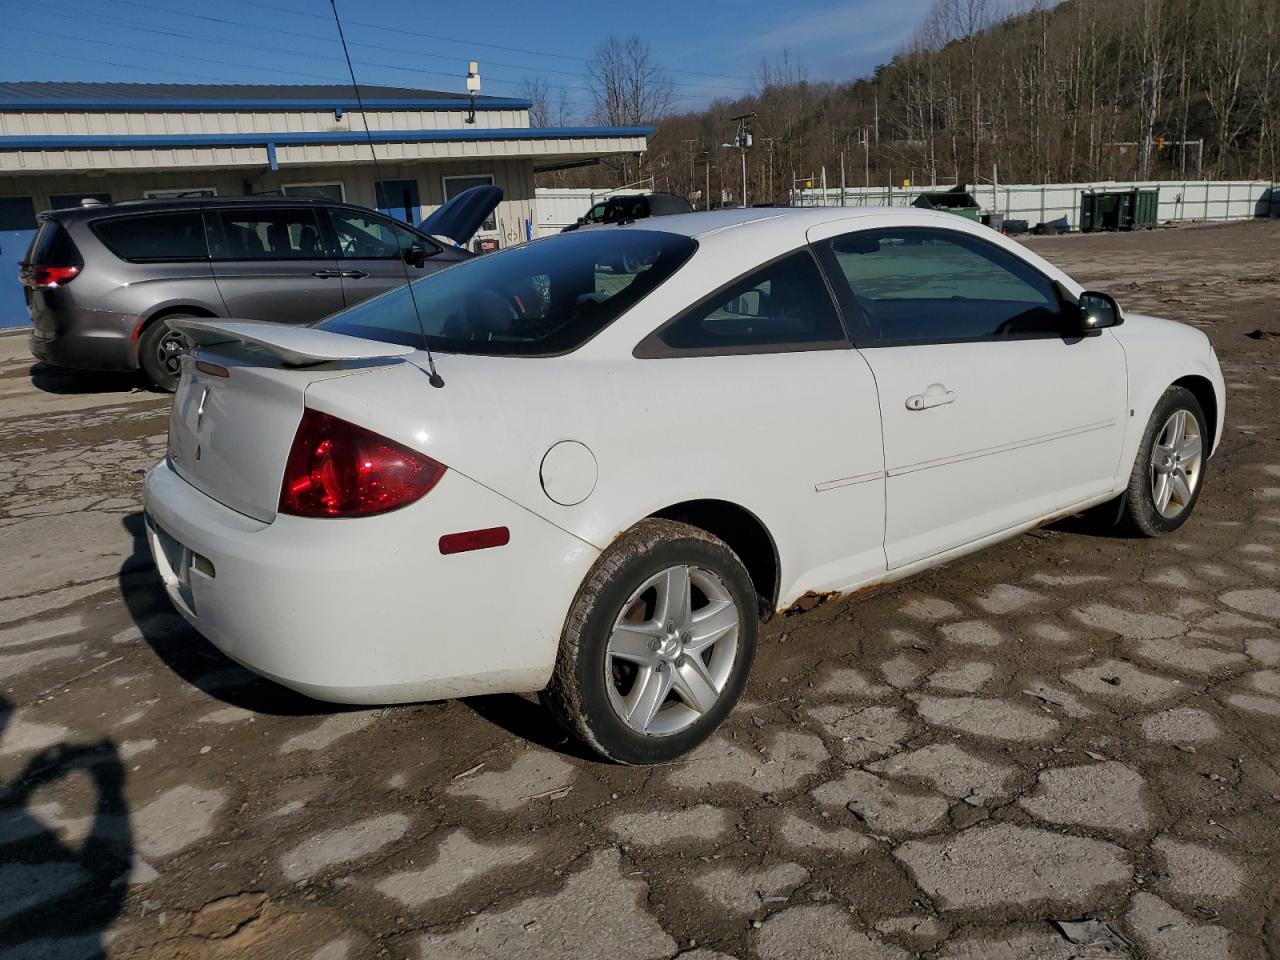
(195, 97)
(162, 140)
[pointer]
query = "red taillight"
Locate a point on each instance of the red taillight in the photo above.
(44, 278)
(336, 469)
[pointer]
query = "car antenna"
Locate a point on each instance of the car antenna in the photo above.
(434, 378)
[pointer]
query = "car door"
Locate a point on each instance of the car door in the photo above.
(992, 418)
(371, 253)
(770, 348)
(273, 263)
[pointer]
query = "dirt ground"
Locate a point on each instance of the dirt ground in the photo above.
(1067, 746)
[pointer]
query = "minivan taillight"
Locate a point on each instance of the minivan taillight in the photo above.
(336, 469)
(46, 278)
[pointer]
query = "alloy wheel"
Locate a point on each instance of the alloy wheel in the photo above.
(672, 650)
(170, 349)
(1176, 457)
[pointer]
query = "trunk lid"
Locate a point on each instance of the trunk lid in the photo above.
(241, 397)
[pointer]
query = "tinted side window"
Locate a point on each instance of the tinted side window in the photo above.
(784, 304)
(363, 237)
(257, 234)
(936, 286)
(52, 245)
(155, 236)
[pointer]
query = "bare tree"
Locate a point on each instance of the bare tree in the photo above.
(1228, 49)
(538, 92)
(629, 89)
(627, 84)
(1054, 91)
(965, 20)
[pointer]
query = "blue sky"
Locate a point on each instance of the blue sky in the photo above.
(712, 49)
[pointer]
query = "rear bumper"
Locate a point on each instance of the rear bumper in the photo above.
(86, 340)
(368, 610)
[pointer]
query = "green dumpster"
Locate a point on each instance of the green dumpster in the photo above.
(1134, 208)
(957, 200)
(1146, 208)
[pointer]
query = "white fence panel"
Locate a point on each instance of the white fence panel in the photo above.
(1179, 200)
(557, 207)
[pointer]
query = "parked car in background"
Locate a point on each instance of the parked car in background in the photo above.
(102, 278)
(634, 206)
(616, 473)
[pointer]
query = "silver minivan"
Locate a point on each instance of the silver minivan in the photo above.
(100, 279)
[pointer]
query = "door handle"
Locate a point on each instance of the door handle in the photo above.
(935, 395)
(327, 274)
(354, 274)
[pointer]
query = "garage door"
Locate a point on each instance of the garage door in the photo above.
(17, 227)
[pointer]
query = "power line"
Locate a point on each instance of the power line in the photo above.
(241, 24)
(62, 34)
(382, 64)
(130, 66)
(563, 92)
(469, 43)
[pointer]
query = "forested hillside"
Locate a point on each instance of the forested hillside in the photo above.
(1086, 89)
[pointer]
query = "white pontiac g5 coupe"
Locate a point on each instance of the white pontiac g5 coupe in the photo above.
(649, 436)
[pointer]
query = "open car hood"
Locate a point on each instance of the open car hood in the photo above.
(458, 219)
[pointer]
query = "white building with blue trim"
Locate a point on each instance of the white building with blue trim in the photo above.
(61, 143)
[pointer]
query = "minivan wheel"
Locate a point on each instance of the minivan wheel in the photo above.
(160, 351)
(1168, 474)
(657, 646)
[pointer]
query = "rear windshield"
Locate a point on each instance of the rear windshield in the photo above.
(155, 236)
(52, 246)
(545, 297)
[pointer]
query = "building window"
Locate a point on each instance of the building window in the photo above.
(398, 199)
(456, 185)
(180, 194)
(323, 191)
(61, 201)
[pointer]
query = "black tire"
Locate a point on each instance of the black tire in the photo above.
(578, 695)
(1139, 514)
(156, 356)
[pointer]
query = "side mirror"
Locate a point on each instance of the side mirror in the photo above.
(415, 255)
(1098, 310)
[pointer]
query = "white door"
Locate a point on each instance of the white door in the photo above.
(992, 418)
(766, 360)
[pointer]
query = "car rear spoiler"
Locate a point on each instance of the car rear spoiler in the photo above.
(294, 346)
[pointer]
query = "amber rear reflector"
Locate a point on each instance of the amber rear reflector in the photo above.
(475, 540)
(212, 369)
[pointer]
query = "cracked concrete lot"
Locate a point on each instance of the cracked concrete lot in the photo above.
(1065, 747)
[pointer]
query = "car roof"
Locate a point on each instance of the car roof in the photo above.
(116, 207)
(800, 219)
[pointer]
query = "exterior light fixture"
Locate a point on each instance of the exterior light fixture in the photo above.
(473, 87)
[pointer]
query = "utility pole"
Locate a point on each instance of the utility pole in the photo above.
(866, 156)
(690, 144)
(769, 142)
(705, 159)
(742, 140)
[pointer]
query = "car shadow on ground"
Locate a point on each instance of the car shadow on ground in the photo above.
(64, 884)
(59, 380)
(525, 718)
(189, 655)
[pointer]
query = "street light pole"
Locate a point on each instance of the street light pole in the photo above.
(743, 143)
